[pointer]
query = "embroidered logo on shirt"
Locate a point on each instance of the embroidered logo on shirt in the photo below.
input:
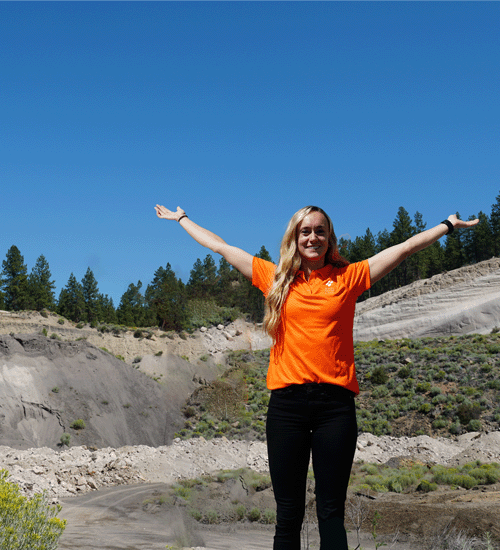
(329, 287)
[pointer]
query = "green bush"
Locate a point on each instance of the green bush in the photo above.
(269, 516)
(455, 428)
(404, 372)
(65, 440)
(370, 469)
(182, 492)
(378, 375)
(468, 411)
(212, 516)
(254, 514)
(379, 392)
(463, 480)
(426, 486)
(240, 511)
(196, 514)
(27, 524)
(207, 313)
(439, 423)
(474, 425)
(78, 424)
(423, 387)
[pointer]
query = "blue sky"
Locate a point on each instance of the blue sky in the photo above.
(241, 113)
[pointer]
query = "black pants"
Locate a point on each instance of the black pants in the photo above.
(302, 418)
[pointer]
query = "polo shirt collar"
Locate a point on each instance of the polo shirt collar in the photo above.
(321, 273)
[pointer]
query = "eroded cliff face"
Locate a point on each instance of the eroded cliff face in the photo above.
(462, 301)
(46, 384)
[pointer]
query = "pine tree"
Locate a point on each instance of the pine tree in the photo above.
(131, 312)
(41, 287)
(383, 241)
(14, 281)
(370, 247)
(434, 260)
(263, 254)
(203, 278)
(483, 234)
(406, 271)
(91, 298)
(361, 248)
(250, 299)
(195, 282)
(364, 248)
(71, 303)
(345, 248)
(428, 261)
(453, 250)
(495, 227)
(166, 297)
(107, 309)
(227, 280)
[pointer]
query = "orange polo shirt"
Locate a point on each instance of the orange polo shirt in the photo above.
(315, 342)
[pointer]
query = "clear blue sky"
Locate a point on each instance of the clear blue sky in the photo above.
(241, 113)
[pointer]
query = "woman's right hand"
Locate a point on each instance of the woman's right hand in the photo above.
(166, 214)
(238, 258)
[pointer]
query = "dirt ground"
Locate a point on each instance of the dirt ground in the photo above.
(117, 519)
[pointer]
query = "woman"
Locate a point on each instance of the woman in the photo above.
(310, 300)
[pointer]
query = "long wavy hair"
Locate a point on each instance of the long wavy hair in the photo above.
(289, 264)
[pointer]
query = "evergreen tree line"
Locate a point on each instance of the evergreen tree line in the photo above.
(220, 293)
(460, 248)
(213, 294)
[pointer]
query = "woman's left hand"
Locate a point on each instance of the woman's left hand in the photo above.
(461, 223)
(166, 214)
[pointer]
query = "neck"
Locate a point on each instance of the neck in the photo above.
(308, 267)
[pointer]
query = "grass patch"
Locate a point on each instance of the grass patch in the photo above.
(422, 477)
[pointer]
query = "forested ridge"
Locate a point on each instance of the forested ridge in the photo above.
(218, 293)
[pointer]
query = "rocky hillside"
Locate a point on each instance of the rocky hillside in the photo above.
(127, 386)
(462, 301)
(102, 388)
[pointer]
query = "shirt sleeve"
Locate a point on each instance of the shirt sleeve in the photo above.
(262, 274)
(357, 277)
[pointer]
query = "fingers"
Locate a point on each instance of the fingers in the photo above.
(161, 211)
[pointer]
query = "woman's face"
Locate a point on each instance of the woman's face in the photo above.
(312, 240)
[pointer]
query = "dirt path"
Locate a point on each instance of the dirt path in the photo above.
(115, 519)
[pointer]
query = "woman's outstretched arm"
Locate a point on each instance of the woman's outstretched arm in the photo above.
(238, 258)
(384, 262)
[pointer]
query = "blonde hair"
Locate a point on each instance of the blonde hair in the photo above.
(288, 266)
